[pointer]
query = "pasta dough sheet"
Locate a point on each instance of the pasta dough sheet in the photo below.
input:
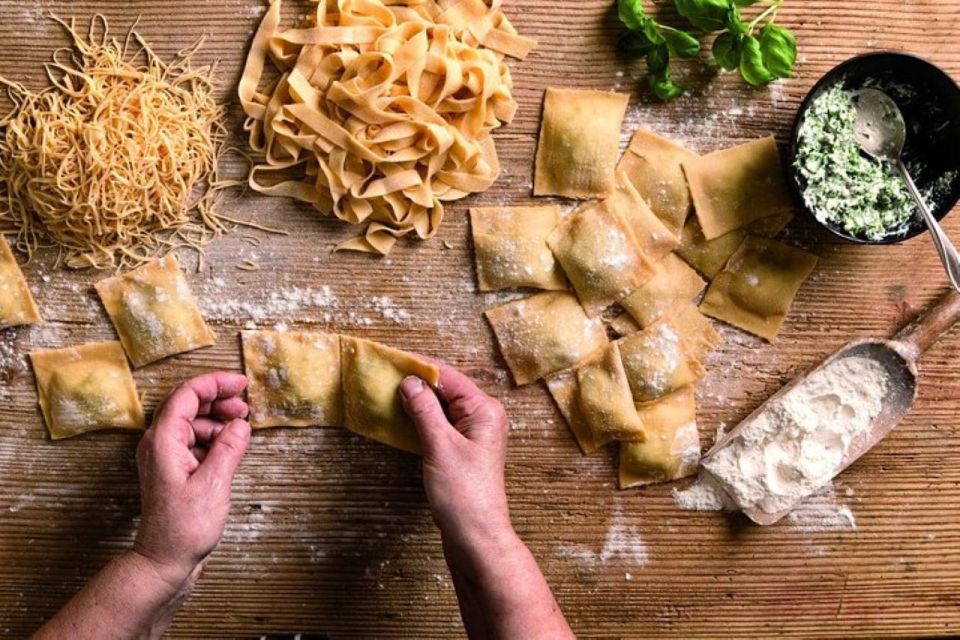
(672, 448)
(16, 303)
(654, 166)
(86, 388)
(294, 379)
(578, 144)
(544, 333)
(600, 255)
(605, 400)
(757, 286)
(510, 248)
(709, 256)
(673, 285)
(154, 311)
(372, 374)
(658, 361)
(733, 187)
(565, 389)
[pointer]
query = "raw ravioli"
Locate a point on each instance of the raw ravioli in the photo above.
(16, 303)
(709, 256)
(672, 448)
(674, 285)
(606, 402)
(658, 361)
(510, 248)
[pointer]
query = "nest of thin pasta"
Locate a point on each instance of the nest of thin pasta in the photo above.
(385, 107)
(117, 160)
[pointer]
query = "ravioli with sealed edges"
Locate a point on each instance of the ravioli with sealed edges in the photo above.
(606, 402)
(653, 237)
(654, 166)
(579, 138)
(544, 333)
(16, 303)
(86, 388)
(294, 379)
(154, 312)
(674, 285)
(672, 448)
(756, 287)
(733, 187)
(372, 374)
(565, 390)
(658, 361)
(510, 248)
(709, 256)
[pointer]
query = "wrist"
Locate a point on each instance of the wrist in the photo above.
(177, 578)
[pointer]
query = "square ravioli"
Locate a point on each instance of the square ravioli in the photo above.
(600, 256)
(733, 187)
(154, 311)
(654, 166)
(709, 256)
(86, 388)
(565, 390)
(579, 141)
(673, 285)
(653, 237)
(756, 287)
(372, 374)
(294, 379)
(672, 448)
(606, 402)
(544, 333)
(16, 303)
(659, 360)
(510, 248)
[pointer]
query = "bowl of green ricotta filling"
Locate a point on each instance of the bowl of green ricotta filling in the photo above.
(854, 195)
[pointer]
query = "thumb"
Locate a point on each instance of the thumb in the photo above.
(225, 453)
(423, 407)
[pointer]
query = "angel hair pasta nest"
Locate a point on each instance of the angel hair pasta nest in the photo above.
(117, 160)
(384, 109)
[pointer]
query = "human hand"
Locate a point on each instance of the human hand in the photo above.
(186, 462)
(464, 451)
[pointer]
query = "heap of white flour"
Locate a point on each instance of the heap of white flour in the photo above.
(798, 443)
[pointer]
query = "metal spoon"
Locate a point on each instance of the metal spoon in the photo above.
(881, 132)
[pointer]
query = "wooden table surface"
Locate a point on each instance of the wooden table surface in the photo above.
(330, 534)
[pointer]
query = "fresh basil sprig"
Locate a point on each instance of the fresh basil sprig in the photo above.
(761, 50)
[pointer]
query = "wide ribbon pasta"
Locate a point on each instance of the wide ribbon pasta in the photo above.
(385, 107)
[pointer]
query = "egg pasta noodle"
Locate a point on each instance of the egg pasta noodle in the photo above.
(382, 108)
(117, 160)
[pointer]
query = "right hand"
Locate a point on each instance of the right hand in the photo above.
(464, 452)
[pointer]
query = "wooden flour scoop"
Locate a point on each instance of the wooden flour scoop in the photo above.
(898, 357)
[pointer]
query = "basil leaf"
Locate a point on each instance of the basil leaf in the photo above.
(751, 63)
(734, 24)
(744, 3)
(658, 59)
(706, 15)
(664, 87)
(681, 44)
(631, 13)
(652, 31)
(634, 43)
(779, 50)
(726, 51)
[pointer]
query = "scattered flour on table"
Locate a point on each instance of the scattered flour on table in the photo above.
(621, 542)
(798, 444)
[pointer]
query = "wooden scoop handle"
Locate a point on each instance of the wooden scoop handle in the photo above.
(920, 334)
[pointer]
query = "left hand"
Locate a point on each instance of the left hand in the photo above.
(186, 462)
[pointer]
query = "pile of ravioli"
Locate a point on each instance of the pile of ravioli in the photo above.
(660, 226)
(296, 379)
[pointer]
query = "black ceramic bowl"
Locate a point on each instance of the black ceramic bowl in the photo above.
(933, 128)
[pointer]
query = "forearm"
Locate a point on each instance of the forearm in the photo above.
(129, 598)
(501, 590)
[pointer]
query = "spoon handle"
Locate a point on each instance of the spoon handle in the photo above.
(948, 254)
(919, 335)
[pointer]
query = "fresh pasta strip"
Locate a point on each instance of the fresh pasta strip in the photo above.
(565, 390)
(733, 187)
(756, 287)
(510, 248)
(384, 107)
(653, 165)
(154, 311)
(579, 138)
(544, 333)
(672, 448)
(658, 361)
(600, 255)
(673, 285)
(605, 400)
(16, 302)
(709, 256)
(294, 379)
(371, 375)
(86, 388)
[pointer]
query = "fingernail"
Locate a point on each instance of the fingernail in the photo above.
(411, 387)
(239, 427)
